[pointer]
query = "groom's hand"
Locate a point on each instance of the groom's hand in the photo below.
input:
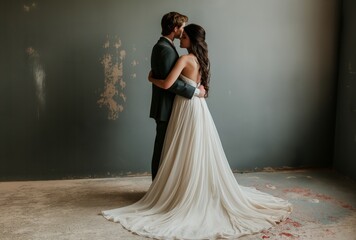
(202, 91)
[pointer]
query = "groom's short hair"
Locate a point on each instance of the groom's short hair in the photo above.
(171, 20)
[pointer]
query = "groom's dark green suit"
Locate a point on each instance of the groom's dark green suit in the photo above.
(164, 56)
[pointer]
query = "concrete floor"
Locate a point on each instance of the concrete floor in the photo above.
(324, 206)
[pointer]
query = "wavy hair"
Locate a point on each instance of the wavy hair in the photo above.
(199, 48)
(171, 20)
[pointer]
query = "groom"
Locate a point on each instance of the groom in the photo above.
(164, 56)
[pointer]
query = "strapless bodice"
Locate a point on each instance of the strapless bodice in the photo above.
(188, 80)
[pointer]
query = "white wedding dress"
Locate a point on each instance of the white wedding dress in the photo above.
(195, 194)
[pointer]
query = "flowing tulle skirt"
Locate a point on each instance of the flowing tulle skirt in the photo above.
(195, 194)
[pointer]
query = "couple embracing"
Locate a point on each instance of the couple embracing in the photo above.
(194, 194)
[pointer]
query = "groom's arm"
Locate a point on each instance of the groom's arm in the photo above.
(183, 89)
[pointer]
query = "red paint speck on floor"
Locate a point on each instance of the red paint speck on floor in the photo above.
(293, 223)
(286, 234)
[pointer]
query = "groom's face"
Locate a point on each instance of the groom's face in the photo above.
(179, 31)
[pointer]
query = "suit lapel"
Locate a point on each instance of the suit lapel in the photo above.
(169, 43)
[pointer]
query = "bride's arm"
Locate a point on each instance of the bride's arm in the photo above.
(172, 76)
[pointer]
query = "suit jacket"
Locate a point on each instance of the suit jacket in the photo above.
(163, 58)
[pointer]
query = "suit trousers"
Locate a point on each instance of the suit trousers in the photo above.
(161, 128)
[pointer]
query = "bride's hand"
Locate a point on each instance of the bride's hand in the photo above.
(150, 76)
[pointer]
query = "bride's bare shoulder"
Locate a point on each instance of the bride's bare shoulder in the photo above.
(184, 57)
(188, 58)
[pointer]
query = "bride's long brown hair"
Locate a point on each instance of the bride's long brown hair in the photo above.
(199, 48)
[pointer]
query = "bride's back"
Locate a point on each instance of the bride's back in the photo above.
(191, 70)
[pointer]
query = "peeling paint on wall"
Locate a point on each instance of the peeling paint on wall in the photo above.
(39, 77)
(113, 96)
(134, 63)
(29, 7)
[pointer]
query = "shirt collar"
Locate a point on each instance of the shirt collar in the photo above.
(169, 40)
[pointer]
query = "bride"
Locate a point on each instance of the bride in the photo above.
(195, 194)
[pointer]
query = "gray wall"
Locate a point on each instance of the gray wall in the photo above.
(272, 89)
(345, 144)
